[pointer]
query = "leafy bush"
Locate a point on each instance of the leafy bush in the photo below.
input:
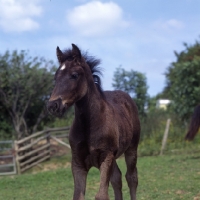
(152, 131)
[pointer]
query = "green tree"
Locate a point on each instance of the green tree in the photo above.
(134, 83)
(183, 81)
(25, 84)
(5, 124)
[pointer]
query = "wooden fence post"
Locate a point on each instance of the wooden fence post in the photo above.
(165, 136)
(17, 157)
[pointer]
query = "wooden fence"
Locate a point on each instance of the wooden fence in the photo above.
(7, 158)
(32, 150)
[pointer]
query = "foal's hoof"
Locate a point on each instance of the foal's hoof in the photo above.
(101, 197)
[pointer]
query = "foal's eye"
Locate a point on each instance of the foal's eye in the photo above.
(74, 75)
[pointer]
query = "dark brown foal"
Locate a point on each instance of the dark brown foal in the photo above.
(106, 124)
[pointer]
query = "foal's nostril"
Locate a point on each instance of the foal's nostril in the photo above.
(53, 106)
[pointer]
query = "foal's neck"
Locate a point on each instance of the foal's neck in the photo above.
(91, 104)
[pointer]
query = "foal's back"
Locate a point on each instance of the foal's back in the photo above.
(120, 100)
(124, 119)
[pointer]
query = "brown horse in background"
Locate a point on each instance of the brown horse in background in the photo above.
(106, 124)
(194, 124)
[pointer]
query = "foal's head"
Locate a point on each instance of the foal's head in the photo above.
(73, 78)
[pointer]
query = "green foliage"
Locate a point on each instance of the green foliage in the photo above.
(153, 123)
(183, 85)
(25, 84)
(5, 124)
(152, 131)
(134, 83)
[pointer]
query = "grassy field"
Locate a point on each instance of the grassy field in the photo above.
(167, 177)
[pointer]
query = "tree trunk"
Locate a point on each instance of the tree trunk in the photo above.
(20, 127)
(42, 115)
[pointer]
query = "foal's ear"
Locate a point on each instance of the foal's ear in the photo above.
(76, 52)
(59, 55)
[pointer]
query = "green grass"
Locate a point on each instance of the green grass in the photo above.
(169, 177)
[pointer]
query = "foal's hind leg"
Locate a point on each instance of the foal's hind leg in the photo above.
(116, 181)
(131, 174)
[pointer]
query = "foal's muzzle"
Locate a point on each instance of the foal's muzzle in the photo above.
(56, 107)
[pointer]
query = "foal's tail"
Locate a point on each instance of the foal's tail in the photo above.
(194, 124)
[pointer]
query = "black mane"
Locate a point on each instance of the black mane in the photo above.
(92, 62)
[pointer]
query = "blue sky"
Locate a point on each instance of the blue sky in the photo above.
(136, 34)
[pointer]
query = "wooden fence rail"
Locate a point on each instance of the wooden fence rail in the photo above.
(7, 158)
(34, 149)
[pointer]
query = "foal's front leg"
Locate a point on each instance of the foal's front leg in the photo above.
(105, 173)
(80, 175)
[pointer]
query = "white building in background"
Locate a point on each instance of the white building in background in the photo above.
(163, 103)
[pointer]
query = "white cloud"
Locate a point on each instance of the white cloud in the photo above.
(17, 15)
(96, 18)
(173, 24)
